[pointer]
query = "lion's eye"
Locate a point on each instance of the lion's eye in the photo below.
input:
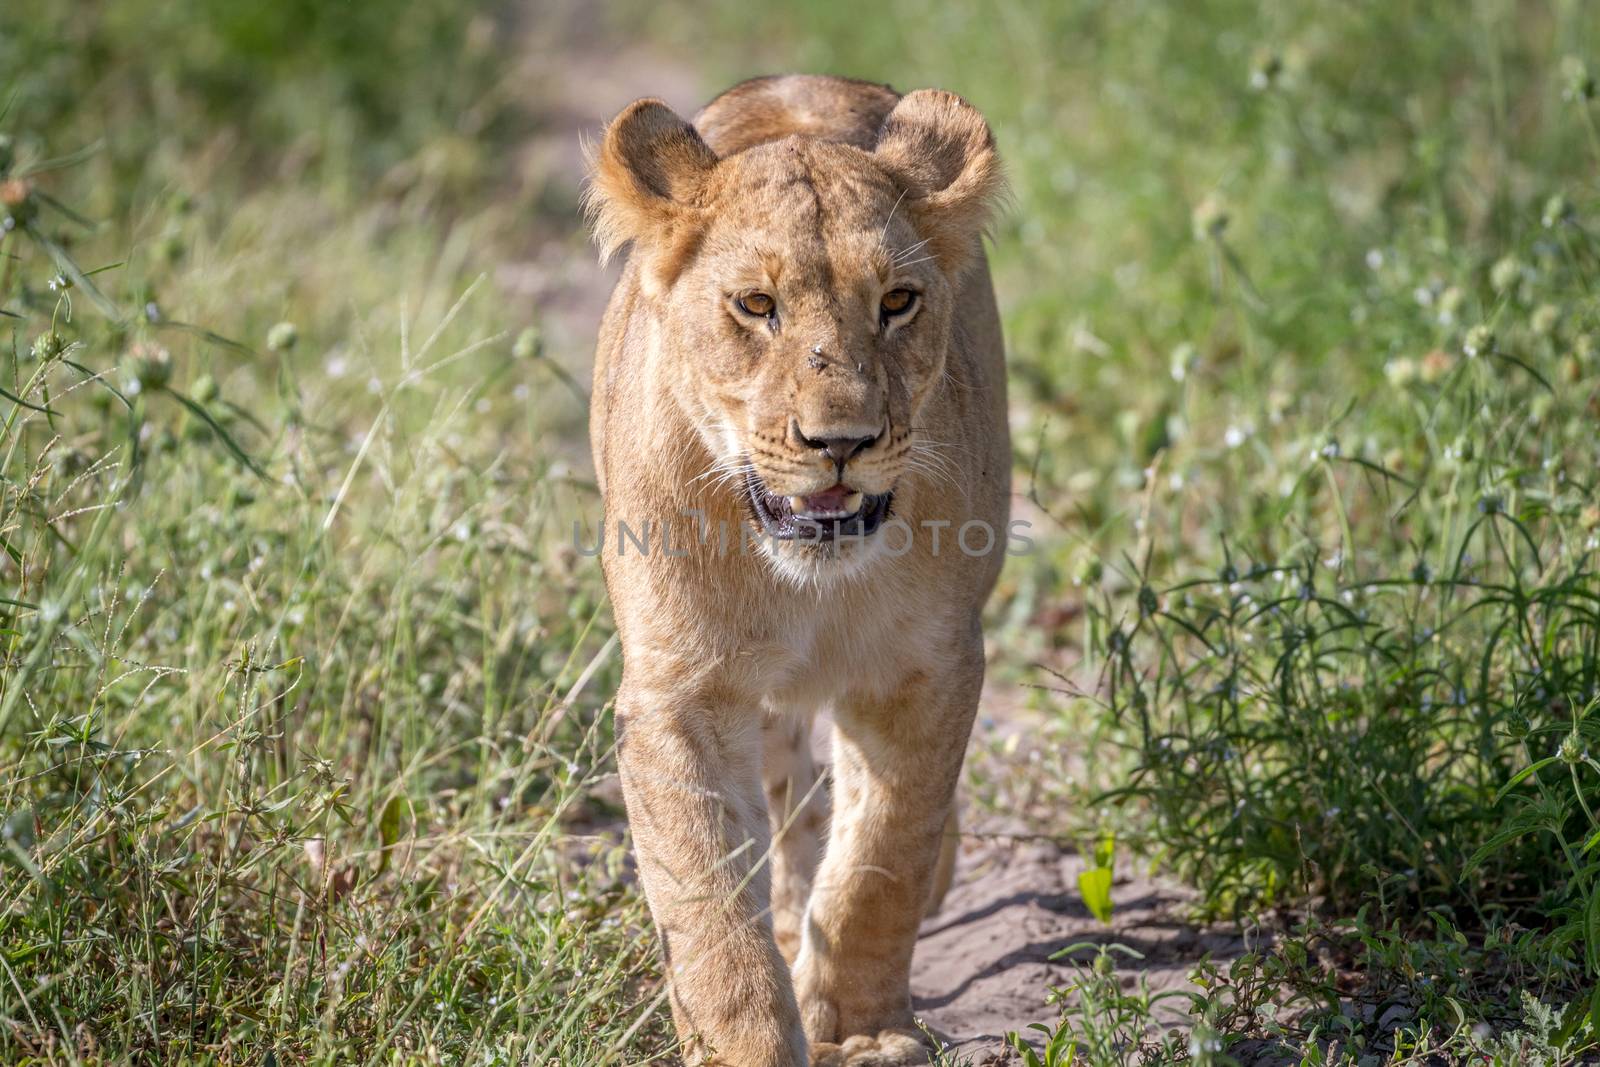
(898, 301)
(758, 304)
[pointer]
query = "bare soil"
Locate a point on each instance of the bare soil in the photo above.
(983, 966)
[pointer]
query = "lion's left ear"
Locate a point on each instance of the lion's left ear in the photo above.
(644, 186)
(939, 149)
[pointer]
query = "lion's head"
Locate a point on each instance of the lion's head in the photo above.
(802, 291)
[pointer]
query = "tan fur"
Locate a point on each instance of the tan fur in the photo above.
(823, 193)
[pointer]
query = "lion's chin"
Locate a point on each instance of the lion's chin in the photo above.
(821, 565)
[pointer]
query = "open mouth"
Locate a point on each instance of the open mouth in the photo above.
(825, 516)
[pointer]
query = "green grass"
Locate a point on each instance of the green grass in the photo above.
(304, 759)
(304, 750)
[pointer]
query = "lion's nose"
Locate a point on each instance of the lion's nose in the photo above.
(840, 449)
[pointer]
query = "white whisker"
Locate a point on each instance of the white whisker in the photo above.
(883, 237)
(900, 257)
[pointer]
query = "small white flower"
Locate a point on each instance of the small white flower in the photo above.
(1374, 258)
(1234, 437)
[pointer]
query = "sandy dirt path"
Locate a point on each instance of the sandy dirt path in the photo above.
(983, 967)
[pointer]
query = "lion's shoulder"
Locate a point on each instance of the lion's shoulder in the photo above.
(819, 106)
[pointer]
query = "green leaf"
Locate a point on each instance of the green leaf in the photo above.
(226, 438)
(1517, 779)
(205, 335)
(31, 407)
(1574, 1017)
(1592, 930)
(1105, 850)
(1030, 1057)
(1094, 885)
(1515, 830)
(389, 827)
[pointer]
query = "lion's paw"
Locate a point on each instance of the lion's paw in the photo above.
(891, 1048)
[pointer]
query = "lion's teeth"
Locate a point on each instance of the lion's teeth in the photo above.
(797, 504)
(852, 503)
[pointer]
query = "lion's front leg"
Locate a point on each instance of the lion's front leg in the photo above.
(897, 757)
(691, 776)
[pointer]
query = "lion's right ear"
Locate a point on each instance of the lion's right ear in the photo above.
(939, 149)
(645, 183)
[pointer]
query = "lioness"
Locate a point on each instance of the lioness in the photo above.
(799, 416)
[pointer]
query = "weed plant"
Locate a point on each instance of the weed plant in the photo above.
(303, 753)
